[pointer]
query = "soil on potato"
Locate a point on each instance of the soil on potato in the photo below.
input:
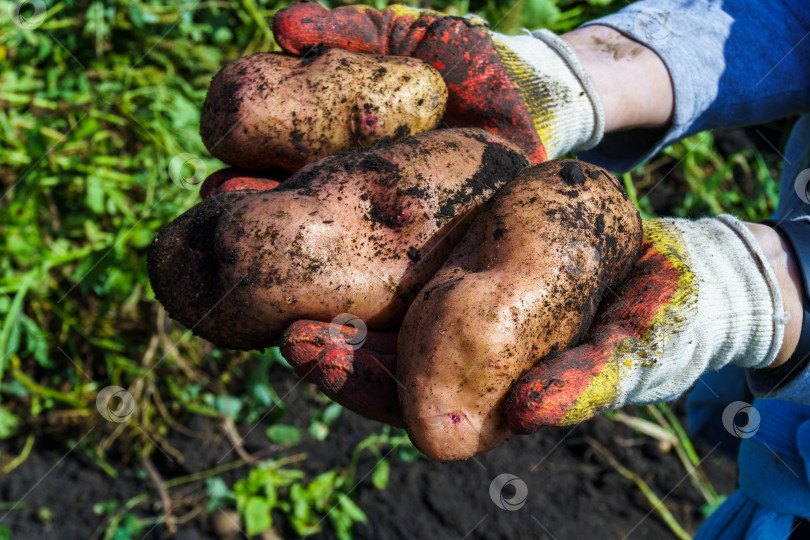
(571, 492)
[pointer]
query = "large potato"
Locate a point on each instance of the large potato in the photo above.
(522, 283)
(272, 110)
(358, 232)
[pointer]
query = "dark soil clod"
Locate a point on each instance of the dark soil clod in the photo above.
(572, 173)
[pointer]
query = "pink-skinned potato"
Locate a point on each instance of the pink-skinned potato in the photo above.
(273, 110)
(359, 232)
(524, 282)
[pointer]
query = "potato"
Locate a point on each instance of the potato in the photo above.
(272, 110)
(358, 232)
(523, 282)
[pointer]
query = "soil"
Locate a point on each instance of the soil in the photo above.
(572, 493)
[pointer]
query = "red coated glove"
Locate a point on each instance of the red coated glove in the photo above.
(529, 89)
(232, 179)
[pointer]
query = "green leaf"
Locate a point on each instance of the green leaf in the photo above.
(257, 516)
(5, 532)
(228, 405)
(283, 434)
(380, 475)
(129, 529)
(14, 388)
(540, 12)
(323, 485)
(275, 357)
(331, 413)
(223, 35)
(37, 343)
(709, 508)
(8, 423)
(261, 392)
(95, 195)
(318, 431)
(135, 15)
(216, 488)
(351, 509)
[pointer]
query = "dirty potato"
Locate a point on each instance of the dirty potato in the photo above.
(522, 283)
(272, 110)
(359, 232)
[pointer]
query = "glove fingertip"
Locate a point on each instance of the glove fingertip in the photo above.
(309, 26)
(565, 389)
(301, 345)
(360, 381)
(291, 24)
(537, 400)
(232, 179)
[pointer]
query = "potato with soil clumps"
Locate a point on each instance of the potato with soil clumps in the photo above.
(358, 232)
(272, 110)
(524, 282)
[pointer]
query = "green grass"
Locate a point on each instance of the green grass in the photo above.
(94, 104)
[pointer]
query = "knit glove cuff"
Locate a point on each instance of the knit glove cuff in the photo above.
(729, 309)
(566, 109)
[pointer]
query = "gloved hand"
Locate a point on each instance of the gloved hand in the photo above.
(530, 89)
(233, 179)
(701, 296)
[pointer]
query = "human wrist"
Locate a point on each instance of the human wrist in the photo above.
(632, 81)
(780, 257)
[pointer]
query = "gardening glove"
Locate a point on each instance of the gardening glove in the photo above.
(351, 366)
(702, 295)
(530, 89)
(233, 179)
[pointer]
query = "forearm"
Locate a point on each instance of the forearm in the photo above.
(685, 67)
(787, 276)
(632, 81)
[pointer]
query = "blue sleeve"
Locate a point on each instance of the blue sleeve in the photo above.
(732, 63)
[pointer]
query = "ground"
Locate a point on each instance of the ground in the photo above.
(572, 492)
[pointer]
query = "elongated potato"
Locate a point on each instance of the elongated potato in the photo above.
(358, 232)
(523, 282)
(272, 110)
